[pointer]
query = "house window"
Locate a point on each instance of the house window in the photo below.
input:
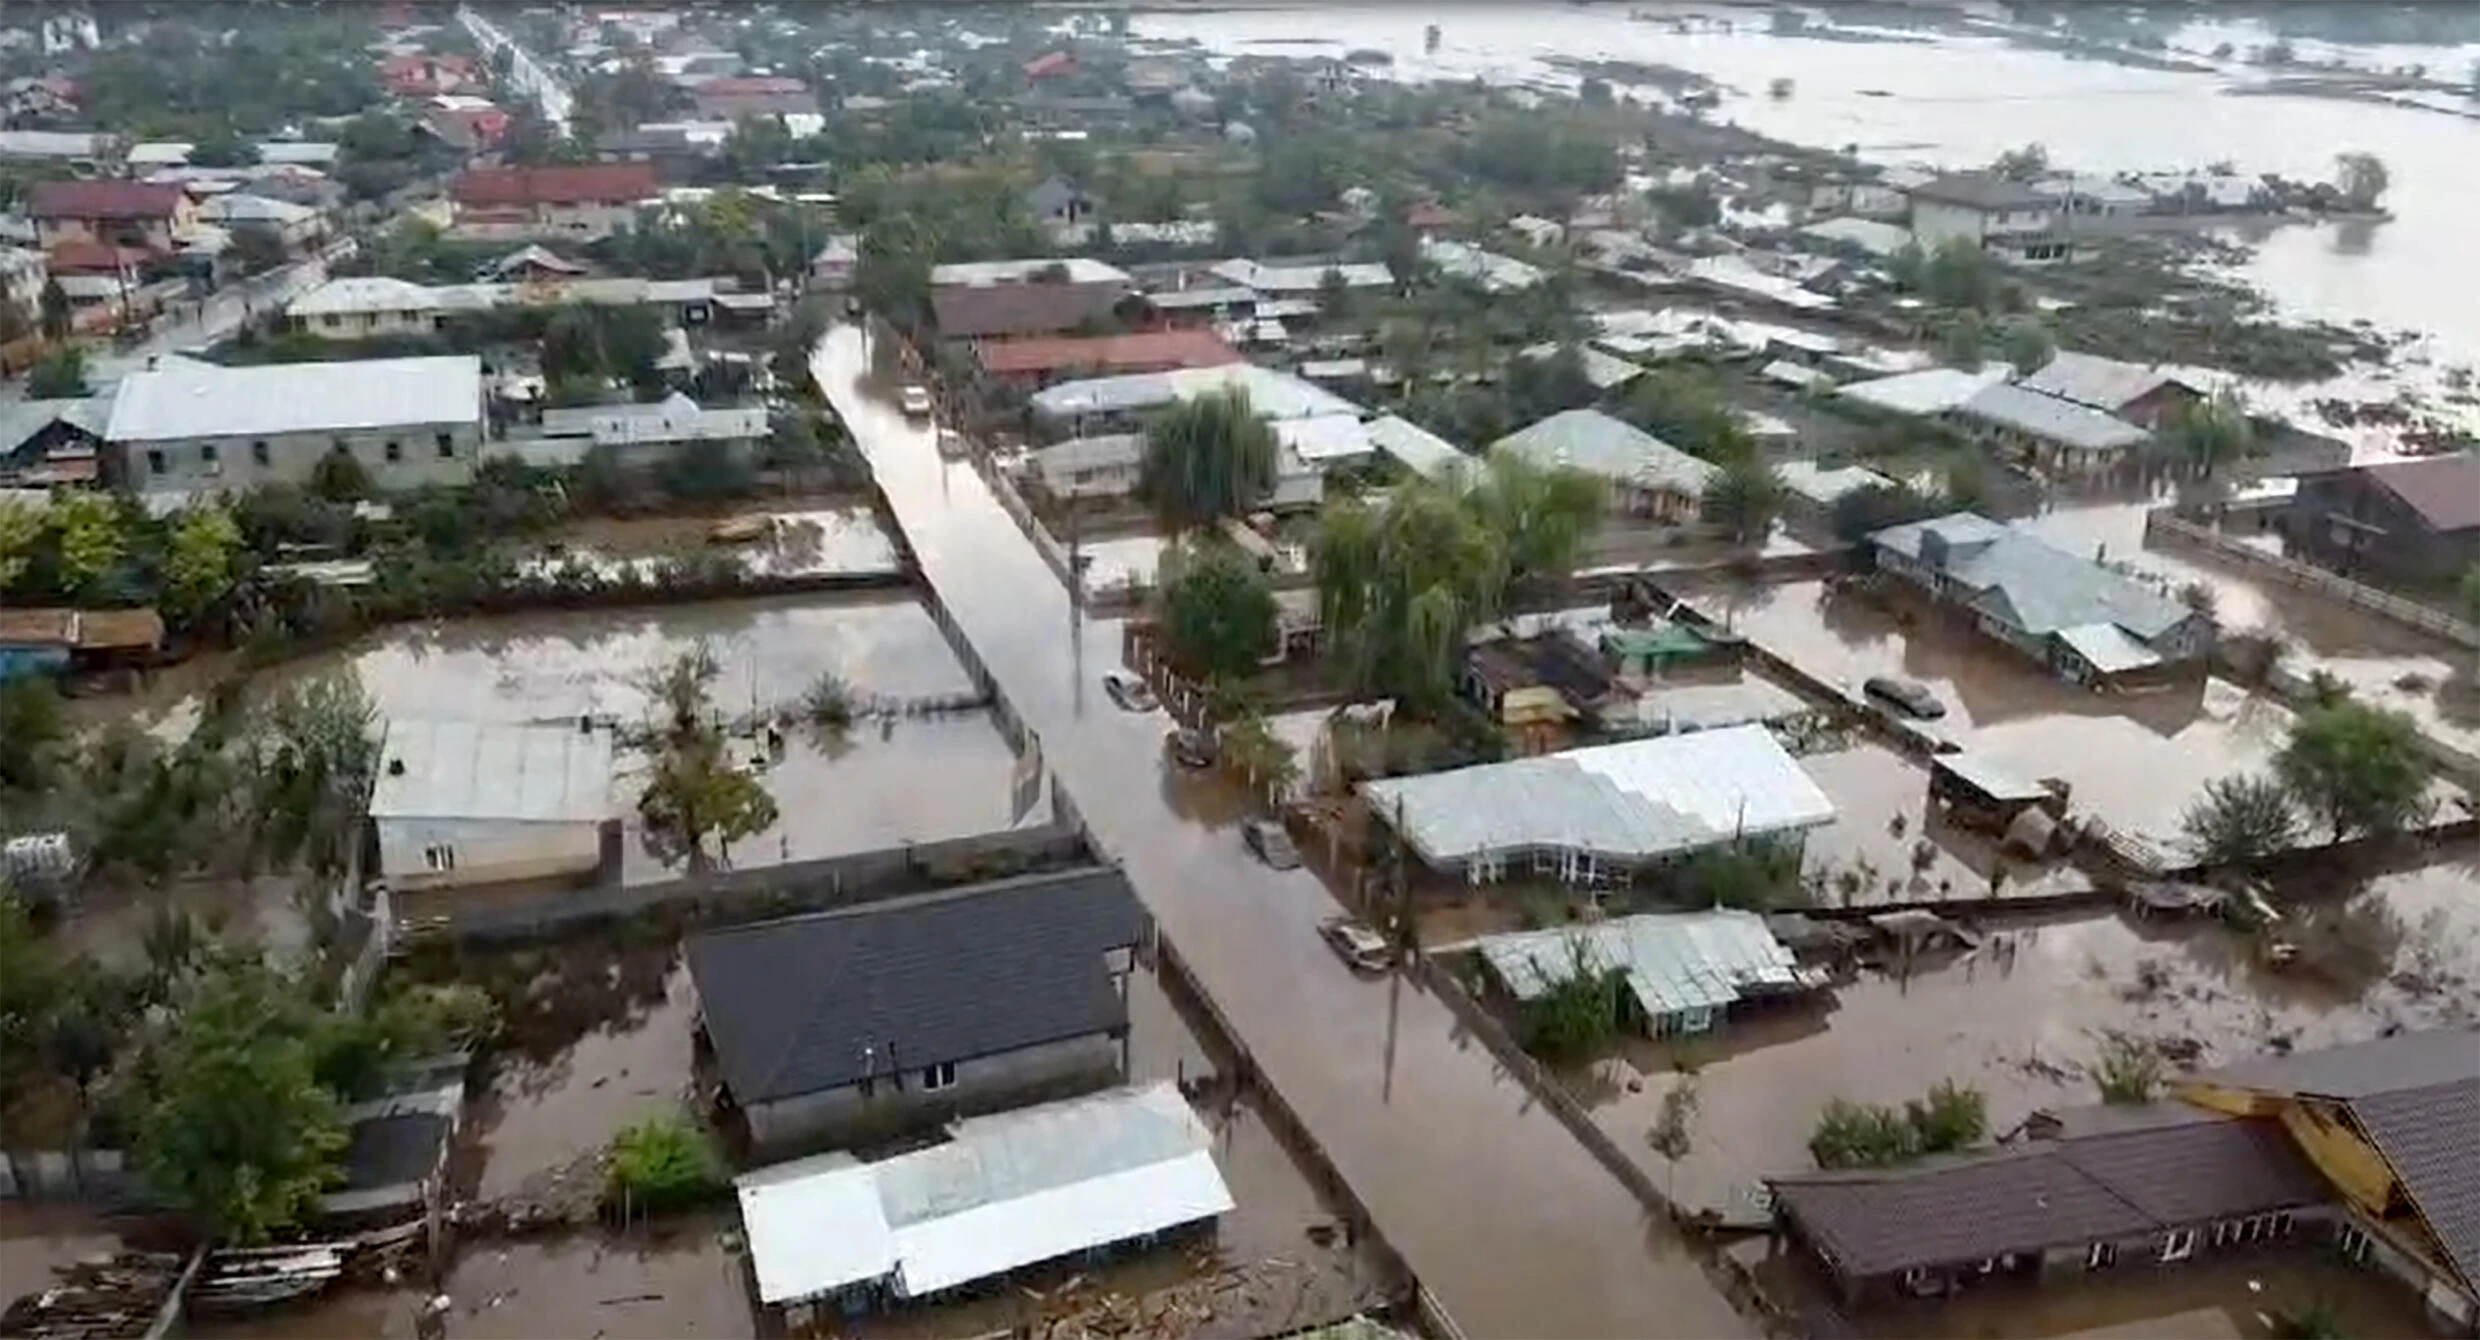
(2178, 1244)
(206, 453)
(2101, 1256)
(155, 462)
(258, 452)
(440, 856)
(447, 446)
(395, 453)
(940, 1076)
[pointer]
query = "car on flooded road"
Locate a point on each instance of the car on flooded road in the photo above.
(914, 400)
(1359, 946)
(1130, 693)
(1910, 697)
(1190, 748)
(1269, 842)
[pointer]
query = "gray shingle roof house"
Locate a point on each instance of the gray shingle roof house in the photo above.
(870, 1019)
(1646, 474)
(2059, 435)
(2081, 619)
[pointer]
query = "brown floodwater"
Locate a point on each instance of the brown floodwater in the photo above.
(1494, 1205)
(797, 541)
(37, 1239)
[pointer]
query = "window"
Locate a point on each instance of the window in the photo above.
(395, 453)
(439, 856)
(258, 452)
(940, 1076)
(2178, 1244)
(447, 446)
(206, 453)
(2101, 1256)
(155, 462)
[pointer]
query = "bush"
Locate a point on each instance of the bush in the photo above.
(2126, 1070)
(659, 1165)
(1862, 1135)
(1951, 1117)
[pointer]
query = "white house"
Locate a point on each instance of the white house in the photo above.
(460, 803)
(359, 307)
(185, 425)
(641, 436)
(2005, 217)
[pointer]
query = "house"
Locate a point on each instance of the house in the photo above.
(1811, 490)
(1874, 236)
(1493, 272)
(44, 443)
(56, 641)
(2152, 1186)
(1078, 1178)
(1049, 296)
(832, 268)
(2412, 521)
(1123, 404)
(422, 74)
(585, 202)
(534, 263)
(2084, 621)
(2004, 217)
(1866, 197)
(469, 124)
(1598, 815)
(1680, 972)
(2393, 1127)
(1299, 280)
(640, 436)
(1039, 361)
(733, 97)
(1057, 203)
(292, 226)
(151, 154)
(2142, 394)
(1416, 448)
(121, 213)
(1925, 393)
(2058, 436)
(460, 803)
(358, 307)
(184, 425)
(1604, 372)
(893, 1016)
(1646, 475)
(65, 148)
(2088, 196)
(1109, 466)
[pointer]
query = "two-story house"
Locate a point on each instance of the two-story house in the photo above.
(2005, 217)
(187, 426)
(115, 213)
(583, 202)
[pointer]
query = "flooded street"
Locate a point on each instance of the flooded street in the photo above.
(1493, 1204)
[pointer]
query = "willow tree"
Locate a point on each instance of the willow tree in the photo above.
(1207, 459)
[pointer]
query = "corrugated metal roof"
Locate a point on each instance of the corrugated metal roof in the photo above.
(1274, 395)
(1496, 273)
(2107, 649)
(2023, 581)
(2050, 418)
(1632, 801)
(183, 398)
(1825, 485)
(1693, 707)
(1420, 450)
(1989, 776)
(1325, 438)
(1594, 442)
(1671, 961)
(1264, 278)
(1003, 1192)
(1928, 391)
(519, 773)
(2106, 384)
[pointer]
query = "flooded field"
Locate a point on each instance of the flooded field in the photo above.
(2020, 1016)
(795, 542)
(1123, 560)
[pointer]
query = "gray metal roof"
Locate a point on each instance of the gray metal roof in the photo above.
(183, 398)
(1079, 270)
(2106, 384)
(1494, 272)
(818, 1002)
(1274, 395)
(1928, 391)
(1596, 443)
(1671, 961)
(1989, 776)
(2050, 418)
(1300, 277)
(1633, 801)
(2381, 1065)
(515, 772)
(1420, 450)
(2025, 582)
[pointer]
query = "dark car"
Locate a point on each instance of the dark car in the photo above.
(1271, 843)
(1912, 698)
(1191, 748)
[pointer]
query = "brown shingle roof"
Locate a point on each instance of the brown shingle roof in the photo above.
(594, 183)
(2049, 1193)
(1020, 309)
(103, 200)
(2444, 490)
(86, 630)
(1149, 351)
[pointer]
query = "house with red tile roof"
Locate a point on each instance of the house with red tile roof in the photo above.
(1039, 361)
(583, 202)
(731, 98)
(1049, 65)
(125, 213)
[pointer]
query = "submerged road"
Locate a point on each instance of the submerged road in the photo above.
(1502, 1214)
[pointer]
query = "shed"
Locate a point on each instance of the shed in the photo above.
(1682, 970)
(464, 802)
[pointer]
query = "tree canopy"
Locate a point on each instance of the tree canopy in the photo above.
(1207, 458)
(1217, 607)
(2360, 769)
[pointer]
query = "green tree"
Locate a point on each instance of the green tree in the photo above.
(91, 536)
(696, 790)
(1862, 1135)
(1542, 517)
(2360, 769)
(1206, 459)
(235, 1127)
(314, 747)
(198, 559)
(2362, 179)
(1579, 1011)
(54, 305)
(1686, 407)
(1863, 512)
(661, 1164)
(1250, 746)
(2239, 821)
(1217, 608)
(59, 375)
(892, 276)
(1743, 499)
(1398, 586)
(2212, 433)
(2028, 163)
(1951, 1117)
(32, 725)
(2025, 343)
(21, 528)
(339, 476)
(1963, 339)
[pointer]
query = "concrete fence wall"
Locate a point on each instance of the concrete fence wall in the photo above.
(96, 1176)
(2160, 524)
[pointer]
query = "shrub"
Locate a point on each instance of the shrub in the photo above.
(661, 1164)
(1862, 1135)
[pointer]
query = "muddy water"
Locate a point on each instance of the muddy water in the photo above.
(796, 542)
(1495, 1206)
(36, 1240)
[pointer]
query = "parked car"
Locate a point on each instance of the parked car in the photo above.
(1271, 843)
(1360, 946)
(1191, 748)
(1914, 699)
(914, 400)
(1131, 693)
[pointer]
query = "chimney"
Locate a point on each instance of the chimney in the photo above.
(1932, 547)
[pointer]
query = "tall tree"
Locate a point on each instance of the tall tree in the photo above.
(697, 790)
(198, 559)
(2359, 768)
(54, 304)
(2213, 433)
(1217, 607)
(1744, 499)
(59, 375)
(1208, 458)
(2362, 178)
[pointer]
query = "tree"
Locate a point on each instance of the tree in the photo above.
(2362, 179)
(1743, 499)
(892, 276)
(59, 375)
(1686, 407)
(1951, 1117)
(340, 476)
(20, 528)
(198, 559)
(2028, 163)
(315, 749)
(660, 1164)
(1962, 339)
(54, 304)
(2024, 342)
(235, 1127)
(1207, 459)
(1865, 511)
(2239, 821)
(1861, 1135)
(32, 721)
(2359, 768)
(1217, 608)
(90, 536)
(696, 790)
(1542, 517)
(258, 250)
(2212, 433)
(1261, 756)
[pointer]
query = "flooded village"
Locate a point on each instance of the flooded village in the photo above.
(1499, 670)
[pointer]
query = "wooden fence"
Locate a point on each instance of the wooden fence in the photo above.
(2160, 523)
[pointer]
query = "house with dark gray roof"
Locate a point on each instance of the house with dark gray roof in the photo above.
(2410, 521)
(2082, 620)
(2055, 434)
(2126, 1195)
(870, 1021)
(2393, 1125)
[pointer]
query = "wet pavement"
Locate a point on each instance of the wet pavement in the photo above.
(1495, 1206)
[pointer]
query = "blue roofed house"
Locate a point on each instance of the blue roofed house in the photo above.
(2084, 621)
